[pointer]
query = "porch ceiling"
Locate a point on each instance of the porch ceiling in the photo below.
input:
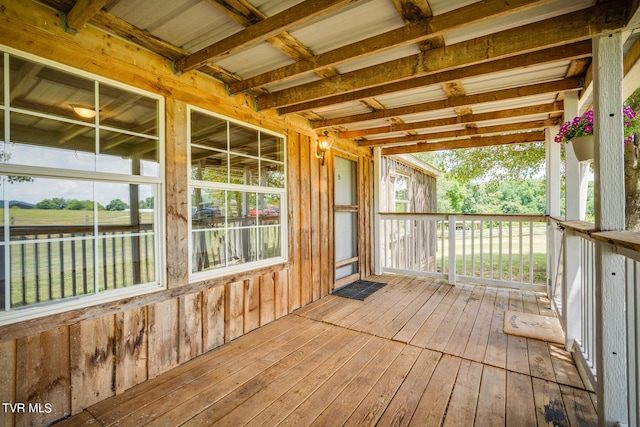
(407, 75)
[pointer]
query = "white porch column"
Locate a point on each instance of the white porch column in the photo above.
(377, 200)
(571, 292)
(611, 340)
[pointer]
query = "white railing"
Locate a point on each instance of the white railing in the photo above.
(503, 250)
(577, 304)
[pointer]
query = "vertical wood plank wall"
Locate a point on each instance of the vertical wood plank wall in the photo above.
(75, 360)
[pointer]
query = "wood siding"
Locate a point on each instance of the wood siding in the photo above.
(75, 359)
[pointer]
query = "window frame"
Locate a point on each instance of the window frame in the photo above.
(197, 276)
(406, 202)
(10, 315)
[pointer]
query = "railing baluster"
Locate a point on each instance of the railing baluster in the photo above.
(520, 261)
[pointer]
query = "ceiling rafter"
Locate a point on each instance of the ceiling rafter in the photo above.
(574, 50)
(473, 142)
(554, 107)
(528, 38)
(82, 12)
(296, 15)
(572, 83)
(413, 32)
(510, 127)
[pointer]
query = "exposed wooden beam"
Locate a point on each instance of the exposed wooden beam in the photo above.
(82, 12)
(511, 127)
(554, 107)
(631, 69)
(571, 51)
(479, 141)
(517, 92)
(296, 15)
(576, 26)
(411, 33)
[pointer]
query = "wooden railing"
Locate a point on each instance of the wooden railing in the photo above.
(504, 250)
(54, 263)
(576, 300)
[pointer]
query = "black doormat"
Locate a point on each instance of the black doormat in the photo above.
(358, 290)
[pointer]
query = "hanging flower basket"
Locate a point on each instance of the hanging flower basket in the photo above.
(583, 148)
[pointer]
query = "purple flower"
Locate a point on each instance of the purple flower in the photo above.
(588, 129)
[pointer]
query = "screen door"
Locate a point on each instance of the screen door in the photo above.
(346, 221)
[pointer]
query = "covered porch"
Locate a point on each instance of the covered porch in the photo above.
(417, 352)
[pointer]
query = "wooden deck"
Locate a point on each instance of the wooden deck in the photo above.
(417, 352)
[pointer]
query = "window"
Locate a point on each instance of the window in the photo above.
(401, 187)
(80, 184)
(238, 194)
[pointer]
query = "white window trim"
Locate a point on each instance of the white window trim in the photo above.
(284, 240)
(38, 310)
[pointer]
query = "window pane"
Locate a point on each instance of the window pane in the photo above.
(209, 249)
(208, 207)
(242, 245)
(50, 270)
(210, 166)
(44, 142)
(125, 259)
(269, 212)
(272, 174)
(270, 242)
(120, 153)
(271, 147)
(48, 207)
(39, 88)
(208, 131)
(243, 140)
(122, 109)
(245, 170)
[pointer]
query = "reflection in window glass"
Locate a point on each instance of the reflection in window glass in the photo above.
(37, 87)
(37, 141)
(245, 170)
(208, 131)
(243, 140)
(244, 187)
(122, 153)
(402, 193)
(73, 231)
(127, 110)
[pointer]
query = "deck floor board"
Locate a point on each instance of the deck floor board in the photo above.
(416, 352)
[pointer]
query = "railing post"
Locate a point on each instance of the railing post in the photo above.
(611, 342)
(452, 249)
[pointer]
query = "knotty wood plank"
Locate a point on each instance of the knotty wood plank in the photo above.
(433, 404)
(520, 404)
(306, 386)
(492, 399)
(8, 378)
(190, 327)
(477, 343)
(540, 364)
(407, 309)
(306, 248)
(92, 359)
(274, 377)
(450, 321)
(276, 387)
(233, 310)
(51, 382)
(213, 318)
(465, 395)
(389, 309)
(409, 330)
(281, 293)
(579, 406)
(113, 410)
(267, 299)
(131, 348)
(460, 337)
(429, 327)
(564, 368)
(496, 353)
(550, 409)
(189, 399)
(251, 310)
(373, 405)
(294, 207)
(404, 403)
(163, 337)
(313, 406)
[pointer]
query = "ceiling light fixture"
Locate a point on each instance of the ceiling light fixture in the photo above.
(84, 112)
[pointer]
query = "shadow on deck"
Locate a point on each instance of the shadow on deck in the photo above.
(417, 352)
